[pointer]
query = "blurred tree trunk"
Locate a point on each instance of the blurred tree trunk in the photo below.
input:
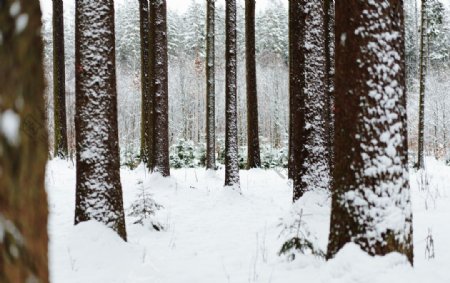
(159, 75)
(59, 85)
(253, 152)
(231, 133)
(23, 145)
(98, 187)
(371, 154)
(210, 87)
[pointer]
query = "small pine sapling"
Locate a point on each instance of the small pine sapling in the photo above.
(144, 209)
(300, 240)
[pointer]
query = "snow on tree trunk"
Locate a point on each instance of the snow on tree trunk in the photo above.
(253, 152)
(329, 79)
(210, 87)
(160, 87)
(98, 187)
(146, 106)
(309, 128)
(371, 197)
(59, 86)
(23, 145)
(231, 134)
(422, 84)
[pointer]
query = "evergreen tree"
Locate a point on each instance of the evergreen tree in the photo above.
(253, 153)
(371, 166)
(231, 133)
(23, 145)
(59, 84)
(210, 86)
(98, 187)
(159, 86)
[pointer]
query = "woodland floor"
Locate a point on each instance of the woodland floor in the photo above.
(216, 235)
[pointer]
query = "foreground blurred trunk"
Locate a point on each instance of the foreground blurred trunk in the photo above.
(23, 145)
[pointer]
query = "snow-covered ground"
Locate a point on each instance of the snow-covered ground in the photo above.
(215, 235)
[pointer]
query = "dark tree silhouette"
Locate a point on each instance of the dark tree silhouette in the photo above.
(253, 152)
(59, 85)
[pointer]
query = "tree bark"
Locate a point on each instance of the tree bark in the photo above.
(146, 106)
(422, 83)
(59, 86)
(253, 152)
(371, 164)
(210, 87)
(231, 133)
(159, 61)
(23, 145)
(98, 187)
(295, 83)
(310, 136)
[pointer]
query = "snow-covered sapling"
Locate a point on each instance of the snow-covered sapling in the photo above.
(144, 209)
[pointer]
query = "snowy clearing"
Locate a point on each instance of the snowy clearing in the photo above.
(215, 235)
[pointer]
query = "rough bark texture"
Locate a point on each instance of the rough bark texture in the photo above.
(59, 86)
(371, 198)
(159, 62)
(210, 87)
(422, 83)
(329, 79)
(23, 145)
(98, 187)
(146, 106)
(310, 142)
(231, 137)
(253, 152)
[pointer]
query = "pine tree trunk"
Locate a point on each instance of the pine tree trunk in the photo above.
(329, 79)
(295, 83)
(23, 145)
(231, 134)
(98, 187)
(253, 152)
(159, 61)
(59, 89)
(312, 98)
(371, 161)
(210, 87)
(146, 107)
(422, 84)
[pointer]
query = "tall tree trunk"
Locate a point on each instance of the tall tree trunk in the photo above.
(329, 79)
(159, 61)
(422, 84)
(231, 133)
(210, 87)
(23, 145)
(253, 152)
(310, 128)
(98, 187)
(371, 165)
(59, 85)
(296, 76)
(146, 106)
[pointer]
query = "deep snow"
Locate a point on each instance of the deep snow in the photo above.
(218, 235)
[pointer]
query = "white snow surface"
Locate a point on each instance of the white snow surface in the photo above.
(218, 235)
